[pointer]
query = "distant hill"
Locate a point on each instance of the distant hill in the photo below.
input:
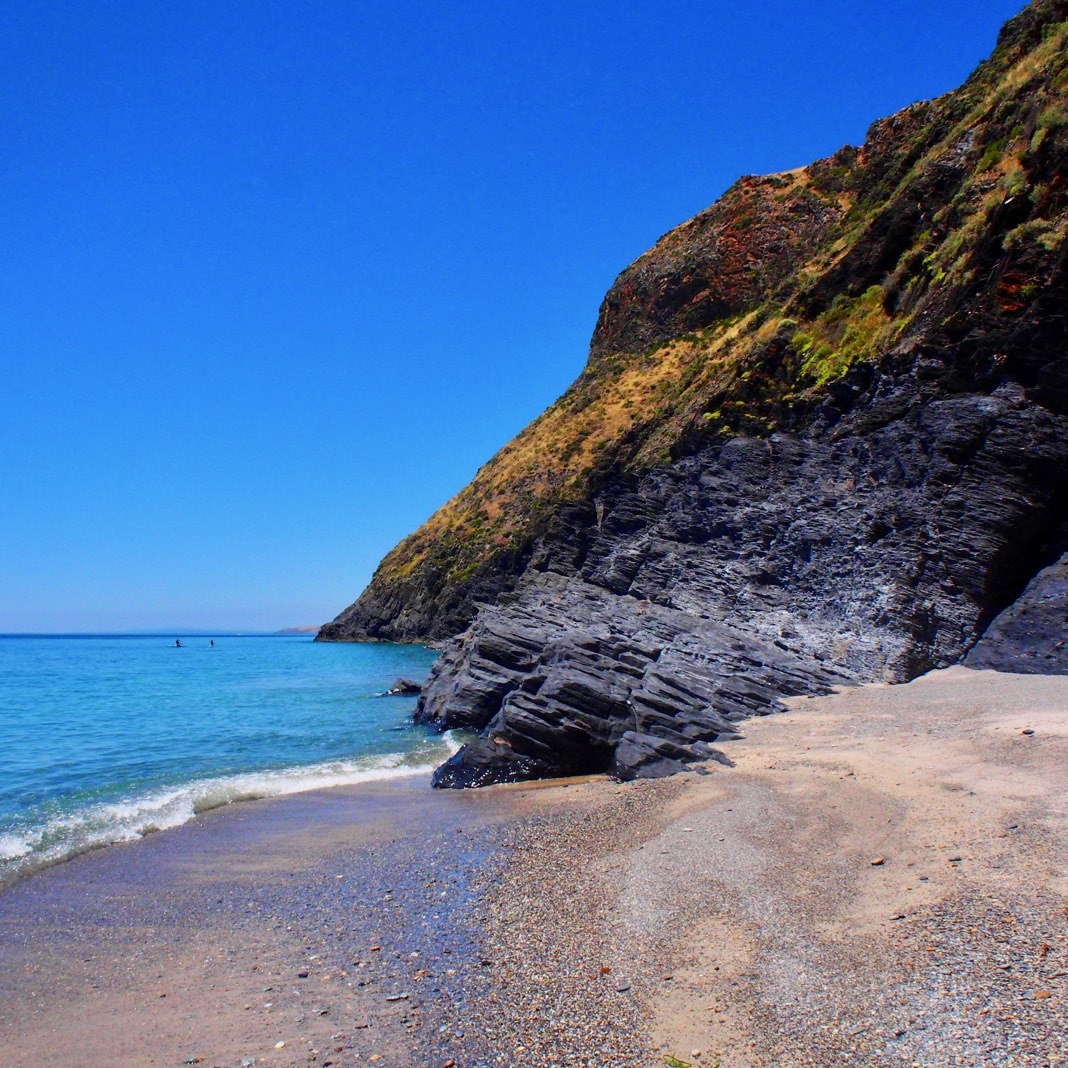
(299, 630)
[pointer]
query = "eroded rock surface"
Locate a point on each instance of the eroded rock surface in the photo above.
(755, 570)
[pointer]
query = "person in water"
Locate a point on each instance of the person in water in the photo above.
(177, 643)
(212, 643)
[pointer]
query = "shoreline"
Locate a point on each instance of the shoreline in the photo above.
(166, 808)
(252, 925)
(109, 739)
(880, 879)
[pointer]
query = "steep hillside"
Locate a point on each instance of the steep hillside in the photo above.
(822, 434)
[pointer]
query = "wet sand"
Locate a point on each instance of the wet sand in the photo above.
(292, 920)
(880, 880)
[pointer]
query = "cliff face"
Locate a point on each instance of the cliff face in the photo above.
(822, 435)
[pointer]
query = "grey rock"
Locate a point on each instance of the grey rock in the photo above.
(403, 688)
(1030, 637)
(762, 568)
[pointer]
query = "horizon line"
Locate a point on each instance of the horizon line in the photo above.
(162, 632)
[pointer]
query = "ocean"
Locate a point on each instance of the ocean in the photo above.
(104, 739)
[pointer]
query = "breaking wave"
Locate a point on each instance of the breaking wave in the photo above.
(61, 835)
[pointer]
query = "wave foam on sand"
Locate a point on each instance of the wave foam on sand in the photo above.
(109, 822)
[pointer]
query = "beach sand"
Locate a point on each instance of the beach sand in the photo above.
(882, 879)
(293, 920)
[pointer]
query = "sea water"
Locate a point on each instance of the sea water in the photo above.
(105, 739)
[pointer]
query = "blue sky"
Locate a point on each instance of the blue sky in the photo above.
(278, 277)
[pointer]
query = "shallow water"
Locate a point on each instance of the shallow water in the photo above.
(103, 739)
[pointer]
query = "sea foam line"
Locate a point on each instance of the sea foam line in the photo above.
(111, 822)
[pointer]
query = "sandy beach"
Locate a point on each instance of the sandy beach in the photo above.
(881, 879)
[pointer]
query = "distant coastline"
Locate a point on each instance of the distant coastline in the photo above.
(156, 632)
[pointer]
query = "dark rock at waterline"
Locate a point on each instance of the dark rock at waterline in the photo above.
(404, 688)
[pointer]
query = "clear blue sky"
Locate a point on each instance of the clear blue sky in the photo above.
(276, 278)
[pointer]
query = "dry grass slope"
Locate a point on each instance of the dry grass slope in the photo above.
(878, 278)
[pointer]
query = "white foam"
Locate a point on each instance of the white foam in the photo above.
(107, 823)
(13, 846)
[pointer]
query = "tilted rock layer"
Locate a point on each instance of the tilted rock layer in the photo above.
(822, 437)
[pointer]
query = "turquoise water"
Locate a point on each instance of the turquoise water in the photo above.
(104, 739)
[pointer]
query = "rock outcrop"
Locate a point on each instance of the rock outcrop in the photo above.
(1031, 636)
(822, 437)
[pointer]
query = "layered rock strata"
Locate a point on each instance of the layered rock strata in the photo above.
(757, 569)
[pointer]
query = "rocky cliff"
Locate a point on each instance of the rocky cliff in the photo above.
(822, 436)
